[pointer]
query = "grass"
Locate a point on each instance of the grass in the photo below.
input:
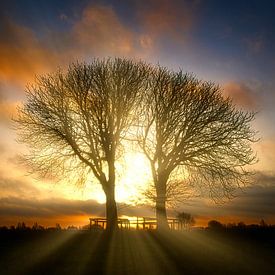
(137, 252)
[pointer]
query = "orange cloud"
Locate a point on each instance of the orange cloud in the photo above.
(98, 33)
(22, 54)
(8, 110)
(164, 17)
(265, 149)
(53, 210)
(241, 94)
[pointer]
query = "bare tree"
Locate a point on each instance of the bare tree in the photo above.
(186, 220)
(188, 124)
(74, 121)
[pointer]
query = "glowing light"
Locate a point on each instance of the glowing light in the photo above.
(135, 174)
(132, 177)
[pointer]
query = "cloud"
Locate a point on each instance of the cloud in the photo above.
(8, 110)
(23, 200)
(172, 19)
(257, 201)
(98, 32)
(101, 32)
(265, 149)
(16, 187)
(242, 94)
(17, 208)
(251, 204)
(22, 53)
(14, 206)
(2, 148)
(254, 44)
(265, 178)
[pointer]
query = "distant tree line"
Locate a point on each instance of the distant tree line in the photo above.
(21, 226)
(186, 221)
(216, 225)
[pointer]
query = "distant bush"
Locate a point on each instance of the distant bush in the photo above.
(37, 227)
(216, 225)
(72, 227)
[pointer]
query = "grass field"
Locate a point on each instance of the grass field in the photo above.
(137, 252)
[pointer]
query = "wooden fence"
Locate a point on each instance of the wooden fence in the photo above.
(139, 223)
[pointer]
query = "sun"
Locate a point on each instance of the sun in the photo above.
(134, 174)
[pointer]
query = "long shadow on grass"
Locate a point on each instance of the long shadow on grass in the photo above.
(133, 252)
(72, 256)
(212, 254)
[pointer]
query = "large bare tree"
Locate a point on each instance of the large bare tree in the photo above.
(188, 124)
(74, 121)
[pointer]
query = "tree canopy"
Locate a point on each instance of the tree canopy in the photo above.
(75, 120)
(187, 123)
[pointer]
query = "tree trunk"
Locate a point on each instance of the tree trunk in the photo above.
(161, 215)
(111, 209)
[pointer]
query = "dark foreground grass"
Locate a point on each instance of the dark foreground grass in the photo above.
(137, 252)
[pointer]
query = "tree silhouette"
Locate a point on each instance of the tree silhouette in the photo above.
(185, 219)
(187, 124)
(215, 225)
(74, 122)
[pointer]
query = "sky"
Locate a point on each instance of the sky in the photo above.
(228, 42)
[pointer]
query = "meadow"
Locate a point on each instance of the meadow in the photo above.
(138, 252)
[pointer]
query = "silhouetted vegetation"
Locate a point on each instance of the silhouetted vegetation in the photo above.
(216, 225)
(186, 219)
